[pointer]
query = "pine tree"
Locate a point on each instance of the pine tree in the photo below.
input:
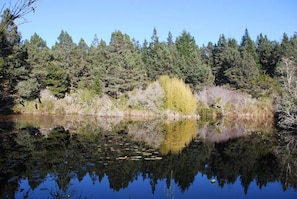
(63, 52)
(169, 39)
(57, 80)
(95, 71)
(193, 71)
(13, 56)
(288, 46)
(80, 69)
(38, 58)
(219, 53)
(124, 66)
(266, 51)
(241, 69)
(248, 45)
(207, 54)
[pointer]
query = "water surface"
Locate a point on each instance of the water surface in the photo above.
(85, 157)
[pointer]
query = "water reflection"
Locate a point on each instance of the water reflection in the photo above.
(54, 157)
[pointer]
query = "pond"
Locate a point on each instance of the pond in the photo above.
(85, 157)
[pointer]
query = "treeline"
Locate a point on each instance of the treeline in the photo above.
(26, 67)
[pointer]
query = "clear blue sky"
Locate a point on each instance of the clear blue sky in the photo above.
(204, 19)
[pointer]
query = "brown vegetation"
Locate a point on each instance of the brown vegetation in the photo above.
(172, 100)
(222, 102)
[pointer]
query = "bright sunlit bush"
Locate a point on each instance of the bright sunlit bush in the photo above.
(178, 95)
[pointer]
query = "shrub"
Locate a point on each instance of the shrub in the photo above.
(86, 96)
(149, 99)
(178, 95)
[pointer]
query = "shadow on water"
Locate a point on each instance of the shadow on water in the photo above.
(51, 154)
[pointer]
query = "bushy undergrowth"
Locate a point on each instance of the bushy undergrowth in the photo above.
(149, 99)
(233, 104)
(167, 97)
(178, 96)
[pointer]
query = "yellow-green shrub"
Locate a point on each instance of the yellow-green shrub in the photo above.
(178, 95)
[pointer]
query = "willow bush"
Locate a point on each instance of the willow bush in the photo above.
(178, 95)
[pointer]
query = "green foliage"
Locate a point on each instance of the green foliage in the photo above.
(87, 96)
(38, 59)
(264, 86)
(242, 69)
(267, 53)
(124, 67)
(162, 59)
(193, 71)
(64, 53)
(248, 45)
(97, 86)
(234, 65)
(13, 58)
(28, 89)
(178, 96)
(57, 81)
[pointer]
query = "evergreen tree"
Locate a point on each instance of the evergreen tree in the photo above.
(266, 51)
(95, 42)
(57, 80)
(207, 54)
(219, 53)
(124, 66)
(13, 66)
(39, 59)
(151, 57)
(169, 39)
(241, 69)
(161, 58)
(145, 53)
(288, 46)
(63, 52)
(193, 71)
(13, 56)
(80, 65)
(248, 45)
(96, 65)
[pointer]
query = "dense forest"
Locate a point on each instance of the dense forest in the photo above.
(261, 68)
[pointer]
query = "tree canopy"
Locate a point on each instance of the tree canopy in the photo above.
(122, 64)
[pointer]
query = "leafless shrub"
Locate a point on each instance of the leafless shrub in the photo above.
(223, 96)
(148, 99)
(286, 105)
(234, 104)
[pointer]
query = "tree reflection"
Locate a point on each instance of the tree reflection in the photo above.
(67, 155)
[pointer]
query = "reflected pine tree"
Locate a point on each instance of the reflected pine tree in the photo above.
(65, 155)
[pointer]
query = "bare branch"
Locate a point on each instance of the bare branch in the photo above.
(20, 8)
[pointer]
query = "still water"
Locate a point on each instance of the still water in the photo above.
(84, 157)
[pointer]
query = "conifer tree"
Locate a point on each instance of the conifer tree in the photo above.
(219, 53)
(193, 71)
(13, 56)
(124, 66)
(63, 53)
(248, 44)
(38, 58)
(267, 53)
